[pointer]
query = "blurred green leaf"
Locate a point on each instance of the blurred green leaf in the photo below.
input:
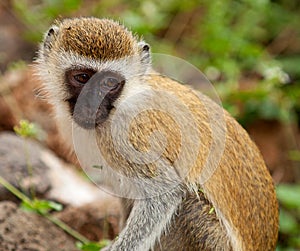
(41, 206)
(291, 64)
(26, 129)
(288, 223)
(289, 195)
(294, 155)
(92, 246)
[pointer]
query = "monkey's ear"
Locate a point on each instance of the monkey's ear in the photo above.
(49, 37)
(144, 49)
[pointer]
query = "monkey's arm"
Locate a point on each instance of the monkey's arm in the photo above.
(148, 218)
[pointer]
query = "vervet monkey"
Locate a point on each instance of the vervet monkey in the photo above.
(216, 196)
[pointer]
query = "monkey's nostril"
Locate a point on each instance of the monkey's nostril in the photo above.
(146, 47)
(50, 32)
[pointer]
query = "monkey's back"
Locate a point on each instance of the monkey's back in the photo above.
(240, 189)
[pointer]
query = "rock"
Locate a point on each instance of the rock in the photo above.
(17, 157)
(20, 231)
(51, 177)
(68, 187)
(89, 210)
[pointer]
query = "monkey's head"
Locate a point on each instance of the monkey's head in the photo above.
(98, 52)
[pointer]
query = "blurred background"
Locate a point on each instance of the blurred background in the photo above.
(249, 50)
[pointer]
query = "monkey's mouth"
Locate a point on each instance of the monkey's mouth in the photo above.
(88, 118)
(90, 122)
(87, 123)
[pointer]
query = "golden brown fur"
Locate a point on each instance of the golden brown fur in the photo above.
(241, 186)
(101, 39)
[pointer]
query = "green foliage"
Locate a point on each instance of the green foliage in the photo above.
(289, 218)
(289, 196)
(37, 17)
(41, 206)
(26, 129)
(294, 155)
(29, 130)
(210, 35)
(92, 246)
(270, 99)
(16, 65)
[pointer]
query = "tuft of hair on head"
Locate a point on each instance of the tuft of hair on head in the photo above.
(94, 38)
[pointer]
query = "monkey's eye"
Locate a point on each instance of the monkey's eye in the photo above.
(78, 78)
(82, 78)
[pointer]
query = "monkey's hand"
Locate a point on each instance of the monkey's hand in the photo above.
(147, 220)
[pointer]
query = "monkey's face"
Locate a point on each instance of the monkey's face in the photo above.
(86, 64)
(97, 91)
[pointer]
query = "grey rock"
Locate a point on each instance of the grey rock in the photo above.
(17, 157)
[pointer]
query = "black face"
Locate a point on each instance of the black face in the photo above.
(93, 94)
